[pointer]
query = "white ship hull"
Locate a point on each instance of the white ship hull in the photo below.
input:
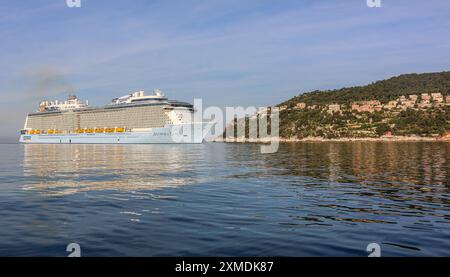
(182, 133)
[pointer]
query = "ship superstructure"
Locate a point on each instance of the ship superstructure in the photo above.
(133, 118)
(71, 103)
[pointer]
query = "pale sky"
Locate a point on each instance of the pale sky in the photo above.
(227, 52)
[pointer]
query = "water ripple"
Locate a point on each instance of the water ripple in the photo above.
(308, 199)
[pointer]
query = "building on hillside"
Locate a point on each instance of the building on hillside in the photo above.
(356, 107)
(424, 105)
(437, 97)
(334, 108)
(413, 97)
(407, 104)
(300, 105)
(402, 99)
(367, 106)
(372, 102)
(426, 98)
(282, 108)
(391, 105)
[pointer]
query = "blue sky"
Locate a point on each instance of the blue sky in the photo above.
(227, 52)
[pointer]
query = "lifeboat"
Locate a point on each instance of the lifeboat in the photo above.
(89, 130)
(109, 130)
(50, 131)
(99, 130)
(120, 130)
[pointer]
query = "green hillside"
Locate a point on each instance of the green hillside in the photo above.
(384, 90)
(310, 114)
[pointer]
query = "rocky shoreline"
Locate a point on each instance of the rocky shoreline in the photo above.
(320, 139)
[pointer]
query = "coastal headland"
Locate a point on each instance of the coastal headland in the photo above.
(409, 107)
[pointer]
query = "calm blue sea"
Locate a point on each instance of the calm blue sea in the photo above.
(215, 199)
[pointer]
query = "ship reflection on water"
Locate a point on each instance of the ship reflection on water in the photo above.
(69, 169)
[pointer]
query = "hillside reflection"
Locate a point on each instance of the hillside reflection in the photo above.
(418, 163)
(397, 171)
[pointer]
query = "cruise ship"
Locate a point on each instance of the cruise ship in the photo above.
(133, 118)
